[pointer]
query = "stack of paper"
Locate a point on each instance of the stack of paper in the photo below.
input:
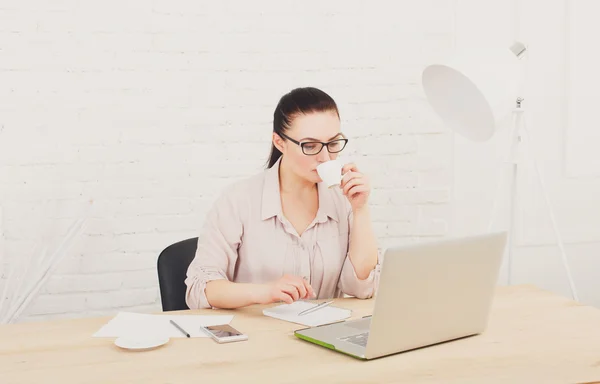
(325, 315)
(129, 324)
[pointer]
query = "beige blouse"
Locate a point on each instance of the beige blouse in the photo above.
(247, 239)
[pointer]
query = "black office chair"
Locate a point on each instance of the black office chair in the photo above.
(172, 266)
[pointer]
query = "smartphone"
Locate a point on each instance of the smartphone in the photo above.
(224, 333)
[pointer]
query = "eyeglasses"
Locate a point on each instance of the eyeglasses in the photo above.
(312, 148)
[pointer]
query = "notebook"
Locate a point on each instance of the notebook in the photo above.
(325, 315)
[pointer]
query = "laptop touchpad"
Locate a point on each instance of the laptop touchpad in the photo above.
(362, 324)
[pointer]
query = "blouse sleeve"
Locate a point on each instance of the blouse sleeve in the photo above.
(217, 251)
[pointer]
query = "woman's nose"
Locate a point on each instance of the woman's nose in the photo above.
(324, 155)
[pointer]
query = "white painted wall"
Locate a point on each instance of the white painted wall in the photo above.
(544, 27)
(150, 108)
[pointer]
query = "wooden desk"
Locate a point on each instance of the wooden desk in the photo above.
(533, 337)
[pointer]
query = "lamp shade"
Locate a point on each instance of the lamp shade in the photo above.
(473, 91)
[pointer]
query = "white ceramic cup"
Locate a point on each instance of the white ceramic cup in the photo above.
(331, 172)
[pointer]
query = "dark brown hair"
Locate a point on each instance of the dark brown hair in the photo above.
(298, 101)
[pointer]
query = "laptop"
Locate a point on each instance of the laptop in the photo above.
(428, 294)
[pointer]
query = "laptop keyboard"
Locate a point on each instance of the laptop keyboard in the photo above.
(359, 339)
(361, 325)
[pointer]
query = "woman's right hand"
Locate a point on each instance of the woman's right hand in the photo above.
(288, 289)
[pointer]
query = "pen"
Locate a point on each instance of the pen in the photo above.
(181, 329)
(319, 306)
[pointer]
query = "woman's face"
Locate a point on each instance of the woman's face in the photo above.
(313, 127)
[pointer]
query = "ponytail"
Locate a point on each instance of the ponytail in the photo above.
(274, 156)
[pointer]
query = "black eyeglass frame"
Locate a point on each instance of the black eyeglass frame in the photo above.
(301, 144)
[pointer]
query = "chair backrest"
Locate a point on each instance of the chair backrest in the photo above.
(172, 266)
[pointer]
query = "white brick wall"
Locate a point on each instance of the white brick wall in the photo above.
(150, 108)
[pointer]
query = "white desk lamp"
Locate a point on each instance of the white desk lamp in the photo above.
(472, 93)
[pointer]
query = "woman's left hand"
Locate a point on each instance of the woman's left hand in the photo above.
(355, 186)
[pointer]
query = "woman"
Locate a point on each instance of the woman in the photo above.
(282, 235)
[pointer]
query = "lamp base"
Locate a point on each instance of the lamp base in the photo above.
(519, 132)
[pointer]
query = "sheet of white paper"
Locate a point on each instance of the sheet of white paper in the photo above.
(144, 325)
(326, 315)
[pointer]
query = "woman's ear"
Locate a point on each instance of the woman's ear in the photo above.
(278, 142)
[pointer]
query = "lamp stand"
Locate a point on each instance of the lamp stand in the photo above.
(519, 132)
